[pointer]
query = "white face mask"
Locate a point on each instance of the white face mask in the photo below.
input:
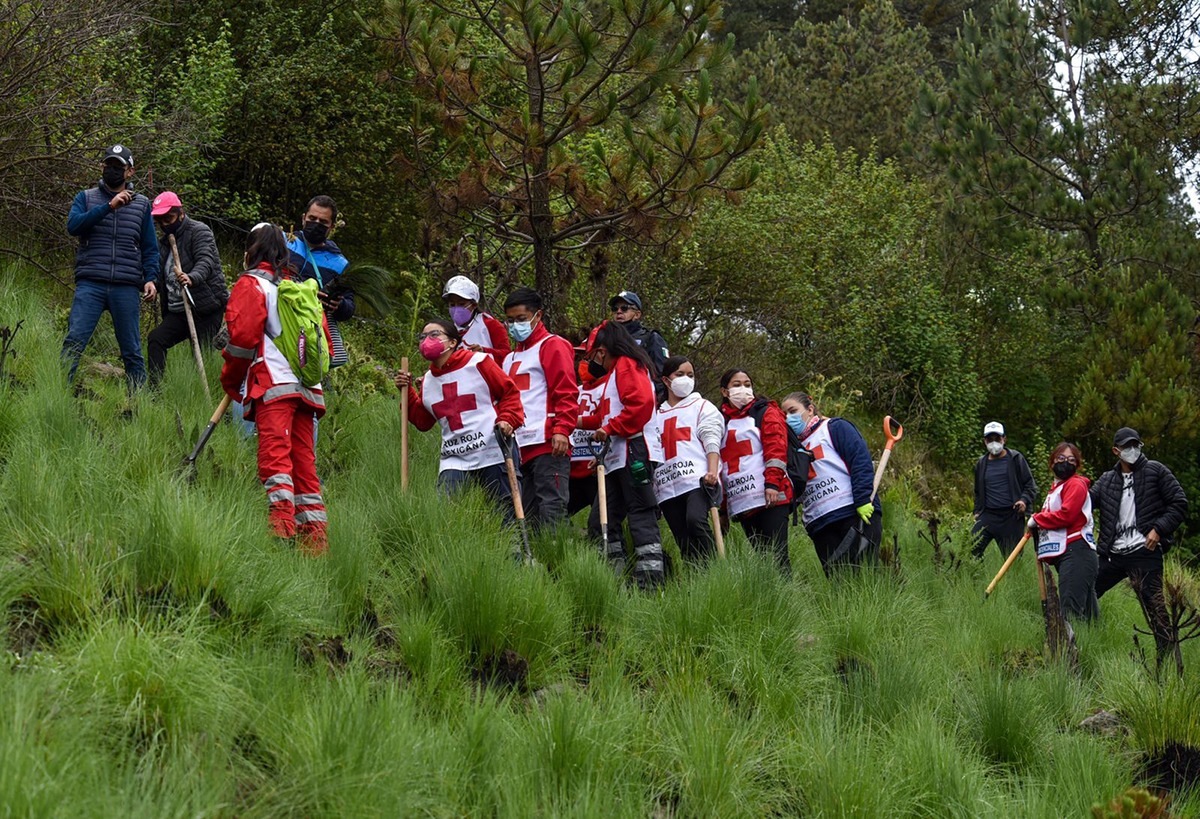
(741, 396)
(1130, 454)
(995, 447)
(683, 385)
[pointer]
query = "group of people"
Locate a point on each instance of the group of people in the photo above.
(618, 405)
(615, 408)
(1141, 505)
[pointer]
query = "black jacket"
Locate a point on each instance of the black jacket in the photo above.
(656, 346)
(1158, 500)
(200, 261)
(1020, 479)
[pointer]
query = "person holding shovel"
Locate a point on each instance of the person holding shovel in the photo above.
(257, 373)
(202, 281)
(625, 411)
(1064, 534)
(758, 493)
(837, 497)
(542, 366)
(469, 397)
(690, 429)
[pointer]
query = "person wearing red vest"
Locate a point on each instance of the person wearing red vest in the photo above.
(542, 367)
(1064, 534)
(758, 493)
(583, 449)
(691, 430)
(626, 409)
(256, 373)
(468, 396)
(480, 332)
(841, 478)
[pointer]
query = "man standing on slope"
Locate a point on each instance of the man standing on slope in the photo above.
(115, 265)
(1141, 504)
(1004, 490)
(543, 367)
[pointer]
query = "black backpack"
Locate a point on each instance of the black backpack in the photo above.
(799, 457)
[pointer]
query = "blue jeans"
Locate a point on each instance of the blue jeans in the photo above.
(122, 301)
(493, 480)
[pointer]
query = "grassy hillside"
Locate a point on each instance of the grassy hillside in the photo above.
(164, 657)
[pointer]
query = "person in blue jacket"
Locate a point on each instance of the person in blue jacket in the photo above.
(837, 496)
(313, 255)
(116, 264)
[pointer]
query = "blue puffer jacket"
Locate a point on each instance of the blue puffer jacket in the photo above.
(330, 263)
(117, 247)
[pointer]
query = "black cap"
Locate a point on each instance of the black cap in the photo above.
(119, 152)
(627, 296)
(1126, 436)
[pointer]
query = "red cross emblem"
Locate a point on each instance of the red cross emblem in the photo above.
(818, 452)
(734, 450)
(452, 406)
(521, 380)
(672, 435)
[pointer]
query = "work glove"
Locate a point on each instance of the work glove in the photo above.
(865, 511)
(1031, 525)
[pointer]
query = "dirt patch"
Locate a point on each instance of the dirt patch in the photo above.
(508, 669)
(331, 650)
(27, 630)
(1176, 767)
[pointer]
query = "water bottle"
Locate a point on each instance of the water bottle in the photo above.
(640, 473)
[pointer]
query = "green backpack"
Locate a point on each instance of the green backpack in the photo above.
(302, 337)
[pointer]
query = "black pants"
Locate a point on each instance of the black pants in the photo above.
(174, 330)
(1005, 526)
(1077, 568)
(638, 505)
(581, 494)
(1145, 572)
(687, 515)
(827, 539)
(767, 531)
(544, 489)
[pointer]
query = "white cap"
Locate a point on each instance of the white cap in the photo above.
(461, 286)
(993, 427)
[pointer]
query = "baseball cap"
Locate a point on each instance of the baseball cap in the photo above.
(627, 296)
(461, 286)
(993, 428)
(1125, 436)
(164, 202)
(119, 152)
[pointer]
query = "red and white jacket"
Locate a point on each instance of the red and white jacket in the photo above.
(626, 409)
(481, 396)
(1066, 517)
(754, 459)
(543, 368)
(255, 370)
(488, 333)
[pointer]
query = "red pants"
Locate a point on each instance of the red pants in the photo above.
(287, 468)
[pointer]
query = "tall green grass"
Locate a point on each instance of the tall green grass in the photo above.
(167, 657)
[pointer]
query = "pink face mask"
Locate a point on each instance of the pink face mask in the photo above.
(431, 347)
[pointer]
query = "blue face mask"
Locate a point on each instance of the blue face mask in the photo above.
(520, 330)
(796, 423)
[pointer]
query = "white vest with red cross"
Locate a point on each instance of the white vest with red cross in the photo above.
(524, 367)
(828, 488)
(462, 402)
(1052, 543)
(477, 331)
(610, 407)
(684, 459)
(583, 449)
(743, 470)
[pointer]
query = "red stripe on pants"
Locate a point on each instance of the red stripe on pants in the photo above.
(285, 447)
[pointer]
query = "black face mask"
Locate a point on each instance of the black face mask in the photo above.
(315, 233)
(113, 178)
(597, 370)
(1063, 470)
(171, 228)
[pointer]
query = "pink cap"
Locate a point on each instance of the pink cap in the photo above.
(164, 202)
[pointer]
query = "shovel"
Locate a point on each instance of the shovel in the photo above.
(714, 517)
(404, 430)
(856, 541)
(602, 494)
(189, 462)
(506, 446)
(1012, 558)
(191, 322)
